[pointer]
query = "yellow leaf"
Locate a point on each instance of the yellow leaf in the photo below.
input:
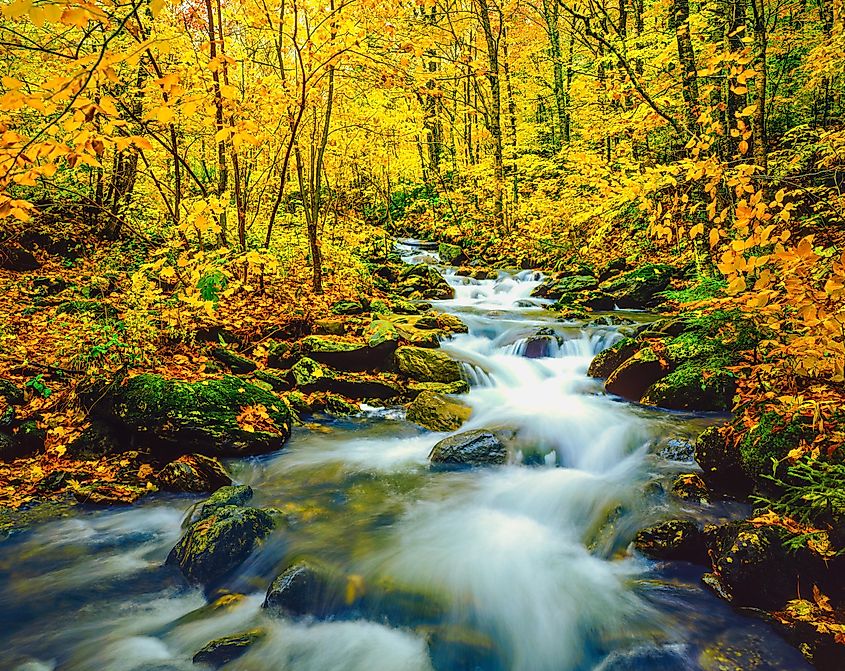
(714, 237)
(736, 287)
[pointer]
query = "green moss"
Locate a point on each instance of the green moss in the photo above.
(772, 438)
(327, 344)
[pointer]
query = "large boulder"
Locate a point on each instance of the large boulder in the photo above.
(223, 417)
(470, 448)
(693, 388)
(438, 412)
(636, 375)
(428, 365)
(640, 288)
(607, 361)
(217, 544)
(193, 473)
(347, 355)
(423, 281)
(753, 566)
(452, 255)
(306, 587)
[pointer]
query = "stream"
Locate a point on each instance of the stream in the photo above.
(523, 567)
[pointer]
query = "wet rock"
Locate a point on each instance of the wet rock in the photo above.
(175, 418)
(402, 307)
(471, 448)
(306, 588)
(720, 462)
(310, 377)
(347, 308)
(673, 540)
(635, 375)
(438, 412)
(228, 495)
(607, 361)
(639, 288)
(217, 544)
(281, 355)
(428, 365)
(221, 651)
(451, 255)
(690, 487)
(450, 323)
(236, 362)
(456, 647)
(11, 393)
(611, 320)
(193, 473)
(538, 347)
(557, 289)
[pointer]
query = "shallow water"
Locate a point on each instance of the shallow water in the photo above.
(520, 568)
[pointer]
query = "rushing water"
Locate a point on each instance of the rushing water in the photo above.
(518, 568)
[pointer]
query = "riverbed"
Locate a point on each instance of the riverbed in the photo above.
(525, 567)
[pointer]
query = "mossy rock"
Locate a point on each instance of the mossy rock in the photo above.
(428, 365)
(450, 254)
(347, 355)
(457, 387)
(11, 393)
(177, 417)
(236, 362)
(720, 463)
(347, 308)
(635, 375)
(380, 332)
(217, 544)
(423, 281)
(692, 388)
(673, 540)
(228, 495)
(771, 439)
(640, 288)
(607, 361)
(274, 378)
(193, 473)
(438, 412)
(221, 651)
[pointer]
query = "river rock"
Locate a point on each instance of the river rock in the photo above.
(636, 375)
(193, 473)
(97, 440)
(438, 412)
(217, 544)
(693, 388)
(228, 495)
(458, 647)
(674, 540)
(347, 308)
(428, 365)
(175, 418)
(458, 387)
(221, 651)
(470, 448)
(306, 587)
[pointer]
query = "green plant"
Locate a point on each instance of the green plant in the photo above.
(37, 385)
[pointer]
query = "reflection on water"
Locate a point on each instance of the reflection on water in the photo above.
(518, 568)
